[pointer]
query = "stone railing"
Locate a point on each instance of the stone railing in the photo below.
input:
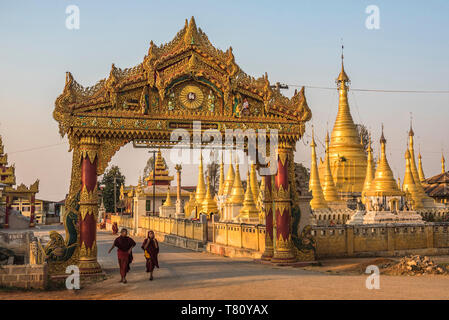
(123, 221)
(239, 235)
(183, 228)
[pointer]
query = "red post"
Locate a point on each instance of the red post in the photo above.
(88, 206)
(268, 208)
(283, 252)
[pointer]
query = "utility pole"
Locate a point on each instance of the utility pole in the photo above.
(115, 195)
(154, 180)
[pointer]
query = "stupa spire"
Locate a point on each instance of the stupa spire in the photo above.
(229, 181)
(209, 205)
(237, 193)
(421, 175)
(443, 162)
(249, 210)
(369, 170)
(384, 183)
(345, 150)
(422, 194)
(409, 185)
(200, 188)
(253, 181)
(168, 202)
(329, 190)
(318, 201)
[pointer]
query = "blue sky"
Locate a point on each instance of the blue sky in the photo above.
(296, 42)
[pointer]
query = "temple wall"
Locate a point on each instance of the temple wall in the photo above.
(240, 235)
(381, 240)
(24, 276)
(239, 239)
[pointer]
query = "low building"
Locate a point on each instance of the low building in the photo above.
(45, 211)
(437, 187)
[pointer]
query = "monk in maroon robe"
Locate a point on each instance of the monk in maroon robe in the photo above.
(114, 228)
(151, 249)
(124, 246)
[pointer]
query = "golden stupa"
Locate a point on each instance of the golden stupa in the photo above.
(443, 162)
(347, 156)
(209, 205)
(200, 188)
(329, 190)
(237, 193)
(168, 202)
(426, 200)
(384, 183)
(370, 171)
(253, 180)
(249, 211)
(229, 181)
(409, 186)
(318, 201)
(421, 175)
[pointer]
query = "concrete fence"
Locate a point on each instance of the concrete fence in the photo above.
(240, 235)
(236, 239)
(381, 240)
(184, 228)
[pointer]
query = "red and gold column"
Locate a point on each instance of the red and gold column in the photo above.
(88, 264)
(32, 210)
(268, 208)
(283, 250)
(7, 208)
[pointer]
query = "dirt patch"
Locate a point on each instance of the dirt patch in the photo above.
(360, 267)
(416, 266)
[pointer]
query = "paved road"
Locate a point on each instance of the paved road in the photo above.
(186, 274)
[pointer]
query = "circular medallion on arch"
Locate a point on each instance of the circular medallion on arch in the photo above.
(191, 97)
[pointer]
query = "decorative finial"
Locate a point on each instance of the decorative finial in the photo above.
(411, 133)
(342, 52)
(343, 78)
(313, 144)
(443, 163)
(382, 137)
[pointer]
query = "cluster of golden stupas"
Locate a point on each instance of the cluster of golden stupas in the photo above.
(231, 202)
(349, 170)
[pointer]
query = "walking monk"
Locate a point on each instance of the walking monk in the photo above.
(114, 228)
(124, 246)
(151, 249)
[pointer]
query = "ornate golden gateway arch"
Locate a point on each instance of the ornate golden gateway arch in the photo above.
(177, 83)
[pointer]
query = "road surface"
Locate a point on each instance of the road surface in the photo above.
(185, 274)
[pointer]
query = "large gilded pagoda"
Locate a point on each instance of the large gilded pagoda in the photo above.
(345, 153)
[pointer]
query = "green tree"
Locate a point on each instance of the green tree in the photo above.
(108, 182)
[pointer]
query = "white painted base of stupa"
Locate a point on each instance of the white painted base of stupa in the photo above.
(357, 218)
(167, 211)
(409, 217)
(179, 210)
(376, 217)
